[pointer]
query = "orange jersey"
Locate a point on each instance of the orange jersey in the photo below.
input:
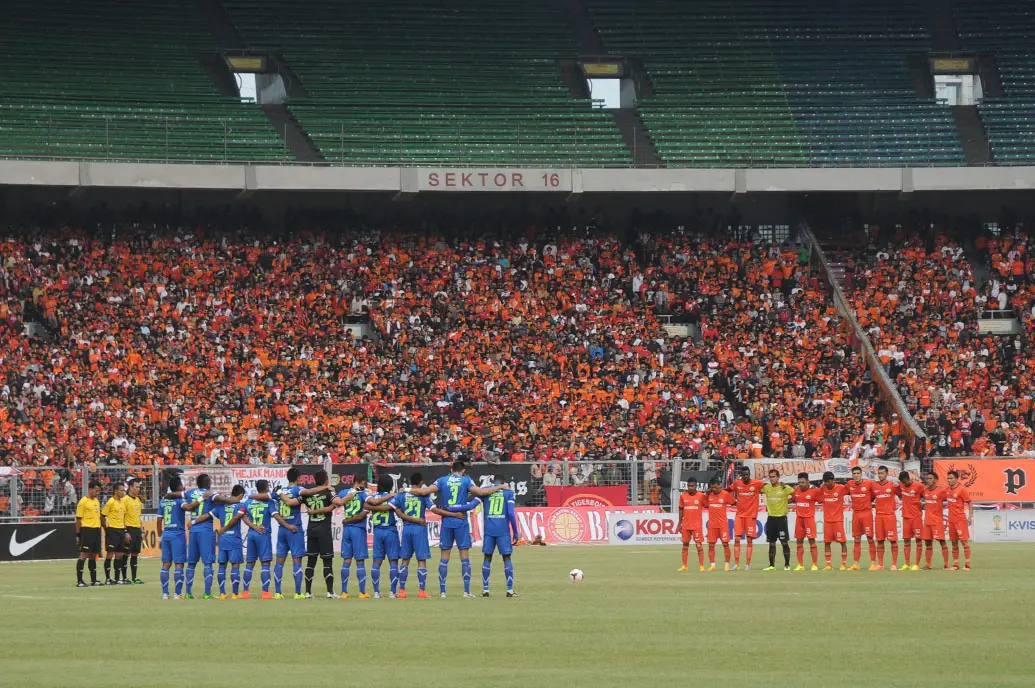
(717, 504)
(934, 500)
(910, 497)
(861, 494)
(805, 502)
(833, 503)
(958, 499)
(693, 507)
(747, 494)
(884, 497)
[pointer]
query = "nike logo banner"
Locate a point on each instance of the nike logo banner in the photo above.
(27, 541)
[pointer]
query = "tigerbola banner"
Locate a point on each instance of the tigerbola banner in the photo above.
(1008, 525)
(840, 467)
(587, 495)
(993, 480)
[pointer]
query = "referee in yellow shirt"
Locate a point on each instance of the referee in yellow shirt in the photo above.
(777, 496)
(88, 533)
(114, 534)
(132, 507)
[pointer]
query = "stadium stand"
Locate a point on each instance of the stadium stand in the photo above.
(1005, 28)
(440, 83)
(119, 80)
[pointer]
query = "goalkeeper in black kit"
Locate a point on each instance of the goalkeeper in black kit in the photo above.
(319, 536)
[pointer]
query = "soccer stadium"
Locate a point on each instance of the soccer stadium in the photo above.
(625, 342)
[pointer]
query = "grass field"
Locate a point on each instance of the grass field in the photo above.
(634, 621)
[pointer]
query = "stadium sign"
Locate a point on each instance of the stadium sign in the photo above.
(993, 480)
(511, 179)
(643, 529)
(1013, 525)
(34, 541)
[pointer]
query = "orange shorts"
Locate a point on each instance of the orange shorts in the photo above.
(862, 524)
(934, 529)
(886, 528)
(912, 528)
(745, 525)
(720, 533)
(834, 531)
(692, 534)
(805, 527)
(958, 530)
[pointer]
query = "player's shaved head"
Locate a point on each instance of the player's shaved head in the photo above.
(292, 474)
(204, 481)
(262, 486)
(175, 485)
(237, 491)
(320, 477)
(385, 483)
(417, 479)
(459, 466)
(904, 477)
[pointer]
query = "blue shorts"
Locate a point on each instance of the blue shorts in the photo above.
(461, 535)
(290, 542)
(260, 547)
(415, 543)
(501, 543)
(201, 545)
(386, 544)
(354, 543)
(174, 546)
(230, 550)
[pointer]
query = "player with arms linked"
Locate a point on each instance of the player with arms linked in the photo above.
(228, 519)
(412, 509)
(500, 532)
(319, 536)
(172, 525)
(258, 514)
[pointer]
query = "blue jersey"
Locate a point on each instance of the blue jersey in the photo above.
(204, 506)
(353, 507)
(497, 509)
(261, 514)
(172, 514)
(291, 514)
(224, 513)
(452, 491)
(382, 519)
(412, 506)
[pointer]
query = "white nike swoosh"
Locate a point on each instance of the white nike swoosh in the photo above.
(20, 548)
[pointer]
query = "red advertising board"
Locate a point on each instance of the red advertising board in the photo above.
(588, 496)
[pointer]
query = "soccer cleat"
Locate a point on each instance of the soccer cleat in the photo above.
(81, 584)
(423, 595)
(188, 596)
(300, 596)
(391, 595)
(95, 584)
(955, 567)
(843, 568)
(769, 568)
(443, 595)
(828, 567)
(967, 567)
(799, 567)
(711, 567)
(873, 567)
(914, 567)
(702, 569)
(747, 568)
(682, 568)
(177, 597)
(206, 597)
(266, 595)
(331, 596)
(165, 596)
(235, 597)
(137, 581)
(278, 596)
(894, 567)
(223, 596)
(485, 593)
(786, 568)
(511, 593)
(246, 595)
(110, 582)
(469, 596)
(726, 567)
(853, 567)
(364, 596)
(401, 595)
(735, 567)
(344, 596)
(377, 596)
(814, 568)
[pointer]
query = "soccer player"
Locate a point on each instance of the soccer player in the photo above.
(833, 498)
(960, 514)
(453, 490)
(777, 496)
(745, 524)
(885, 527)
(412, 509)
(88, 533)
(228, 518)
(386, 535)
(133, 508)
(500, 532)
(201, 543)
(289, 503)
(934, 519)
(319, 535)
(718, 522)
(911, 492)
(114, 522)
(172, 512)
(692, 505)
(805, 498)
(353, 536)
(260, 538)
(860, 493)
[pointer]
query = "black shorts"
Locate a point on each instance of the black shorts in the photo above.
(115, 539)
(136, 540)
(90, 540)
(320, 542)
(776, 529)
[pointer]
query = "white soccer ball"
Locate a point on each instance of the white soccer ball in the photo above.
(575, 575)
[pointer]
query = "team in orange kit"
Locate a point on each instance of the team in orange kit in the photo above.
(934, 519)
(911, 493)
(959, 515)
(861, 494)
(885, 527)
(805, 498)
(833, 496)
(691, 522)
(718, 523)
(747, 492)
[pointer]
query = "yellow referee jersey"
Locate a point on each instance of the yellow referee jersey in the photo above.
(115, 513)
(88, 511)
(132, 507)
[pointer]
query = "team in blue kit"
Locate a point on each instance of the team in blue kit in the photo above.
(397, 520)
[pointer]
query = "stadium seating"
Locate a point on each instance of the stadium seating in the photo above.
(118, 80)
(1005, 29)
(782, 83)
(440, 83)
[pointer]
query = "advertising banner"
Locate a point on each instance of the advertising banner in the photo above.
(483, 474)
(841, 468)
(643, 529)
(587, 495)
(31, 541)
(992, 480)
(702, 478)
(1008, 525)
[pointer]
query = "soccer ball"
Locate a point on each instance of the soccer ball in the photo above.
(575, 575)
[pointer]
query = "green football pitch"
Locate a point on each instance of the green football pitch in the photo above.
(633, 621)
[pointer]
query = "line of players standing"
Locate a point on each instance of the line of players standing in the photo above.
(923, 519)
(217, 519)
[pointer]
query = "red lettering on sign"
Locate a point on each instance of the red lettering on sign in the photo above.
(500, 179)
(483, 176)
(517, 179)
(465, 180)
(450, 178)
(433, 179)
